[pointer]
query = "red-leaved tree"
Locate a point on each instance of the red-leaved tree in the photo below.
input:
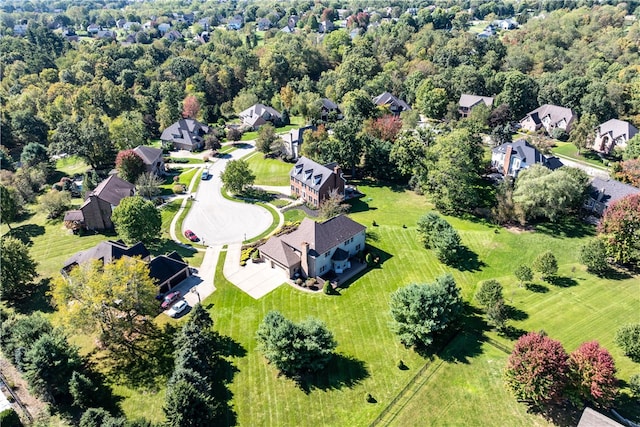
(190, 107)
(592, 375)
(536, 371)
(385, 128)
(629, 172)
(129, 165)
(620, 227)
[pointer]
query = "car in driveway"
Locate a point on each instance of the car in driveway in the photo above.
(169, 299)
(205, 174)
(178, 308)
(191, 236)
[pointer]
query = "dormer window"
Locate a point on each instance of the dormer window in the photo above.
(317, 179)
(307, 174)
(298, 169)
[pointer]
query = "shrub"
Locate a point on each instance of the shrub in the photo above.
(243, 263)
(9, 418)
(634, 385)
(437, 234)
(178, 189)
(299, 281)
(546, 264)
(593, 255)
(628, 339)
(328, 289)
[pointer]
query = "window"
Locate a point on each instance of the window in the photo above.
(322, 269)
(358, 247)
(326, 255)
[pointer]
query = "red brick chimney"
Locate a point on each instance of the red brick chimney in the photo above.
(338, 179)
(507, 160)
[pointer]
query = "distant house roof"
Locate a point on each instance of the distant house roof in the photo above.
(329, 104)
(313, 174)
(187, 132)
(528, 154)
(173, 35)
(148, 154)
(164, 267)
(386, 98)
(554, 112)
(259, 114)
(591, 418)
(323, 236)
(106, 34)
(113, 189)
(106, 252)
(617, 128)
(608, 191)
(470, 101)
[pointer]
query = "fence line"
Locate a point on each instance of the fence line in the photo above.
(16, 398)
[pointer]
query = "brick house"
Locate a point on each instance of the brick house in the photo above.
(313, 182)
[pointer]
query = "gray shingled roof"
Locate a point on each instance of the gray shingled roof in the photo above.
(323, 236)
(148, 154)
(311, 173)
(113, 189)
(523, 151)
(555, 113)
(591, 418)
(281, 252)
(107, 252)
(328, 104)
(618, 128)
(185, 131)
(608, 191)
(469, 101)
(386, 98)
(258, 110)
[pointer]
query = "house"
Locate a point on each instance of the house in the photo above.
(106, 34)
(506, 24)
(512, 157)
(603, 192)
(325, 27)
(185, 134)
(613, 133)
(591, 418)
(120, 22)
(292, 141)
(152, 158)
(205, 23)
(395, 105)
(95, 212)
(131, 25)
(167, 271)
(164, 28)
(173, 35)
(258, 115)
(106, 252)
(93, 29)
(20, 29)
(264, 24)
(313, 182)
(329, 110)
(235, 23)
(316, 248)
(467, 102)
(550, 117)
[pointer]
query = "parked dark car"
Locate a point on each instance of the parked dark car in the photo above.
(169, 299)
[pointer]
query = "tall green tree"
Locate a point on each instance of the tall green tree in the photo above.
(437, 234)
(137, 220)
(34, 154)
(431, 101)
(489, 293)
(519, 92)
(423, 312)
(628, 339)
(17, 267)
(237, 176)
(593, 254)
(148, 185)
(9, 207)
(128, 130)
(267, 141)
(583, 133)
(546, 264)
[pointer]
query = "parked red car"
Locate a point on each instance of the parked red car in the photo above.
(191, 235)
(169, 299)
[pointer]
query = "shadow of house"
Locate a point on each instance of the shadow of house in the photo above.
(95, 212)
(185, 134)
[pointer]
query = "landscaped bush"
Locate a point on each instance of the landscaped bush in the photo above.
(634, 385)
(9, 418)
(178, 189)
(247, 253)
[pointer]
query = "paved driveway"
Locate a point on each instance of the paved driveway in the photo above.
(257, 280)
(217, 220)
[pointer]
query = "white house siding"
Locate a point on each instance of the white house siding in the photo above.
(322, 264)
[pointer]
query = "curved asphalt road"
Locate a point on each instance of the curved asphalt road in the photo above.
(216, 220)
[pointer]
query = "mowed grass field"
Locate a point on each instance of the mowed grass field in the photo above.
(269, 171)
(469, 382)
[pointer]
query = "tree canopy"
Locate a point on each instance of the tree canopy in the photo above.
(237, 176)
(137, 220)
(18, 269)
(620, 230)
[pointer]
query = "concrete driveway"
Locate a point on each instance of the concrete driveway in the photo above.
(257, 280)
(216, 220)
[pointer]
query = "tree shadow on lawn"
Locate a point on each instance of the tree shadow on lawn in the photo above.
(467, 260)
(360, 205)
(35, 298)
(515, 313)
(569, 227)
(627, 405)
(537, 288)
(341, 371)
(562, 281)
(614, 273)
(26, 232)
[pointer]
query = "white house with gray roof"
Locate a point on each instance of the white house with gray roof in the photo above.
(512, 157)
(603, 192)
(549, 117)
(260, 114)
(395, 104)
(185, 134)
(613, 133)
(292, 140)
(316, 248)
(468, 102)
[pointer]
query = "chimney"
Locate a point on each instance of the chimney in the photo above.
(339, 180)
(304, 259)
(507, 160)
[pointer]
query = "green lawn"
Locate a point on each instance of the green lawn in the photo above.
(269, 171)
(72, 165)
(587, 156)
(293, 215)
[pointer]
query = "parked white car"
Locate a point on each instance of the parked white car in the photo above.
(177, 308)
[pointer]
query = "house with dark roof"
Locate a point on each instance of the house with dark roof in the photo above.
(512, 157)
(329, 110)
(325, 27)
(95, 212)
(603, 192)
(152, 158)
(468, 102)
(613, 133)
(106, 252)
(292, 141)
(258, 115)
(313, 182)
(185, 134)
(394, 104)
(549, 117)
(264, 24)
(316, 248)
(167, 271)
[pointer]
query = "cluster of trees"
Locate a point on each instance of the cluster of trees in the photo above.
(295, 348)
(437, 234)
(540, 372)
(423, 313)
(197, 393)
(137, 220)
